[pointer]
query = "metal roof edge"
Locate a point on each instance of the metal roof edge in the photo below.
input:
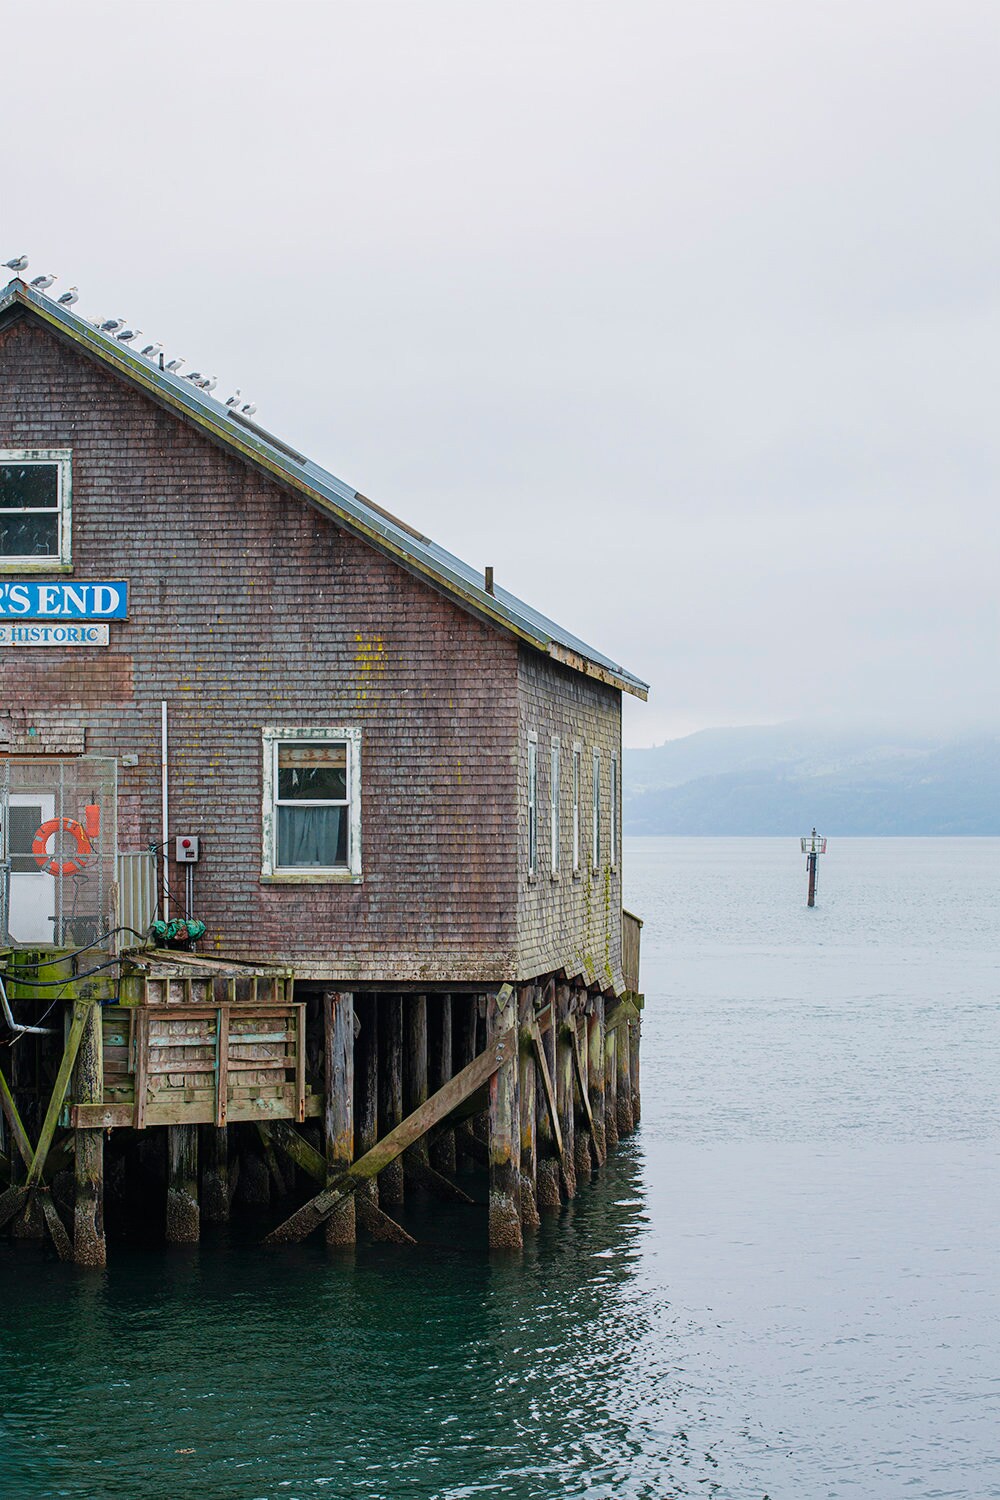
(356, 513)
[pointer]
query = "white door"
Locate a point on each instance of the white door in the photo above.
(32, 892)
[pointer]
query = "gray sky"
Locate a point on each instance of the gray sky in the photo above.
(682, 315)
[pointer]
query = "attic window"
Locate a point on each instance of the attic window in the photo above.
(35, 495)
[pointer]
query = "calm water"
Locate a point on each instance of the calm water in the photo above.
(786, 1285)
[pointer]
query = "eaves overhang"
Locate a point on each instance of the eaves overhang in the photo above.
(418, 554)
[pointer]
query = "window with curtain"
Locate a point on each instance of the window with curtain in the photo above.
(311, 802)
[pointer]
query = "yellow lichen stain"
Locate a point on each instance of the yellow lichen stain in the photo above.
(370, 660)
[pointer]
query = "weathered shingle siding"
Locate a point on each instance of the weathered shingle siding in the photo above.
(249, 608)
(573, 921)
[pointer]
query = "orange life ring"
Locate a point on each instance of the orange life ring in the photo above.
(40, 850)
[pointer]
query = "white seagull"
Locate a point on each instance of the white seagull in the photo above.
(112, 325)
(128, 335)
(249, 409)
(42, 283)
(235, 398)
(194, 376)
(173, 365)
(208, 386)
(17, 265)
(151, 351)
(68, 298)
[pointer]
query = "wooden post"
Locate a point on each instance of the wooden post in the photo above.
(623, 1081)
(463, 1046)
(415, 1085)
(563, 1023)
(504, 1124)
(595, 1074)
(635, 1033)
(582, 1114)
(440, 1069)
(338, 1105)
(89, 1246)
(366, 1085)
(611, 1086)
(547, 1168)
(530, 1218)
(183, 1219)
(213, 1152)
(390, 1183)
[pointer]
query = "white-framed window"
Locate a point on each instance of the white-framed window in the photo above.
(554, 788)
(595, 834)
(613, 797)
(36, 509)
(312, 803)
(577, 774)
(532, 803)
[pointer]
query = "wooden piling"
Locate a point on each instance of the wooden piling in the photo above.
(366, 1085)
(635, 1029)
(595, 1075)
(504, 1125)
(585, 1159)
(390, 1080)
(183, 1225)
(416, 1089)
(564, 1024)
(213, 1152)
(623, 1080)
(463, 1045)
(338, 1105)
(530, 1218)
(89, 1245)
(548, 1147)
(440, 1069)
(611, 1086)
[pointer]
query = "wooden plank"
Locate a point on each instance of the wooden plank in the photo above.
(141, 1065)
(581, 1082)
(300, 1059)
(619, 1013)
(222, 1067)
(82, 1012)
(595, 1076)
(390, 1080)
(437, 1107)
(565, 1026)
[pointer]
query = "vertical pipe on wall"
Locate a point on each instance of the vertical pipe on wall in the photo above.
(164, 810)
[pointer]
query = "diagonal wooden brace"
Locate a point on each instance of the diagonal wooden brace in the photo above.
(447, 1098)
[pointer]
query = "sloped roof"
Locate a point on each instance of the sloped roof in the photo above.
(352, 510)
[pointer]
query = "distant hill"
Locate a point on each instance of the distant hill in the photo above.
(783, 779)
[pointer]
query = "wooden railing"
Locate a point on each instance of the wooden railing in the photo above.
(631, 930)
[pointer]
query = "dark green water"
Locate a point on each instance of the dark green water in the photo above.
(435, 1372)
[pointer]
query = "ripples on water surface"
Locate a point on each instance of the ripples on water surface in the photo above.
(784, 1285)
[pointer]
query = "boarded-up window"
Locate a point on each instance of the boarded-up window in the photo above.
(532, 806)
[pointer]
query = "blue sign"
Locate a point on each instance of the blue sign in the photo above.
(63, 601)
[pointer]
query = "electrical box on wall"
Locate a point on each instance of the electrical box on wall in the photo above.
(186, 849)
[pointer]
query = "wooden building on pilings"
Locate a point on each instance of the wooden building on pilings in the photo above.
(237, 692)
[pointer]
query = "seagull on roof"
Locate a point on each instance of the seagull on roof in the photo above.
(128, 335)
(42, 283)
(207, 384)
(68, 298)
(112, 325)
(249, 409)
(194, 376)
(17, 265)
(235, 398)
(173, 365)
(151, 351)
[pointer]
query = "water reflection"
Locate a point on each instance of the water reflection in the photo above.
(438, 1372)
